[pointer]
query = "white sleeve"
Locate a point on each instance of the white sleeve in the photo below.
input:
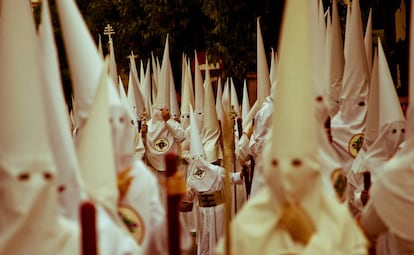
(242, 149)
(176, 129)
(235, 178)
(139, 146)
(260, 131)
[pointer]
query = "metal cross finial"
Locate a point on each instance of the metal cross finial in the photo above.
(132, 56)
(109, 31)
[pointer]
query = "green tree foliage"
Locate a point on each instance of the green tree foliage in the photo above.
(225, 29)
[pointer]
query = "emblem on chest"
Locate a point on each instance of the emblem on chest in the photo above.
(133, 221)
(161, 144)
(199, 173)
(355, 144)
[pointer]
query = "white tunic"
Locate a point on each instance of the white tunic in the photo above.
(142, 209)
(255, 229)
(263, 122)
(162, 138)
(205, 177)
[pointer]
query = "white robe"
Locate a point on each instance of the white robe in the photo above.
(162, 138)
(205, 177)
(255, 229)
(143, 201)
(263, 121)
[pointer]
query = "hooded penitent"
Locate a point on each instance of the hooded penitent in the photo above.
(30, 222)
(70, 187)
(392, 193)
(263, 78)
(205, 178)
(349, 123)
(140, 208)
(162, 136)
(385, 128)
(368, 42)
(99, 175)
(391, 129)
(292, 167)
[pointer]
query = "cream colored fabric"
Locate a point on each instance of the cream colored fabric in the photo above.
(255, 230)
(350, 120)
(68, 180)
(205, 177)
(162, 137)
(30, 222)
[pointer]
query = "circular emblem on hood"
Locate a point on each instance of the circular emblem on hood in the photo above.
(161, 144)
(355, 144)
(133, 221)
(199, 173)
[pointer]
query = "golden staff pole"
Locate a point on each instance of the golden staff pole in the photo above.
(228, 154)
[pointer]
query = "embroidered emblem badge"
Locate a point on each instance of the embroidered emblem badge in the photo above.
(355, 144)
(161, 144)
(133, 220)
(199, 173)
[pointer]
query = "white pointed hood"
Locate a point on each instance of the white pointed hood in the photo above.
(291, 165)
(234, 100)
(29, 222)
(273, 67)
(163, 89)
(335, 63)
(154, 68)
(245, 102)
(226, 99)
(174, 107)
(318, 30)
(392, 112)
(372, 122)
(132, 102)
(210, 133)
(100, 49)
(196, 147)
(198, 90)
(185, 100)
(141, 70)
(394, 189)
(135, 95)
(133, 69)
(368, 42)
(84, 61)
(219, 98)
(318, 58)
(391, 129)
(112, 65)
(68, 178)
(124, 100)
(146, 92)
(263, 78)
(355, 69)
(95, 142)
(347, 26)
